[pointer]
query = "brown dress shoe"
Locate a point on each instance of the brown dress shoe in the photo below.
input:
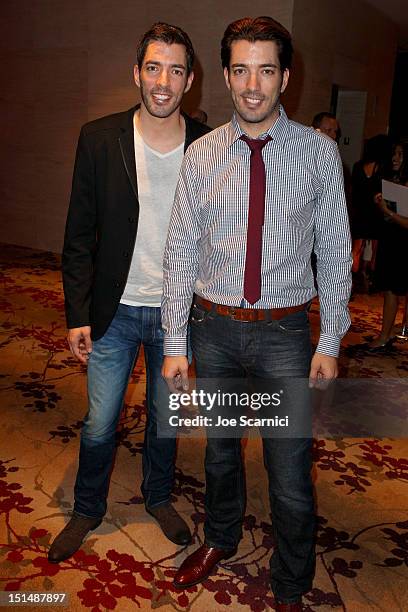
(199, 565)
(70, 538)
(292, 607)
(172, 525)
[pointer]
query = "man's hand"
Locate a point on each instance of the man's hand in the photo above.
(80, 343)
(175, 372)
(323, 369)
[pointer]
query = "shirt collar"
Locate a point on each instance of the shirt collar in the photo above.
(277, 131)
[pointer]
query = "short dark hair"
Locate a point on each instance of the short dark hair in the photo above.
(317, 119)
(378, 149)
(169, 34)
(259, 28)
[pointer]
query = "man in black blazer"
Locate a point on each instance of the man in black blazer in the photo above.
(125, 176)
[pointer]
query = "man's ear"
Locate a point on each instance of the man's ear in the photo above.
(189, 83)
(226, 77)
(136, 74)
(285, 79)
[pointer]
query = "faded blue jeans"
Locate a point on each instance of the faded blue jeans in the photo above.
(230, 349)
(109, 368)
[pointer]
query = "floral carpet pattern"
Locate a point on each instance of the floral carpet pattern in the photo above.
(361, 484)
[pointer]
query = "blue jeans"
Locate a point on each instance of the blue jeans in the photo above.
(230, 349)
(109, 368)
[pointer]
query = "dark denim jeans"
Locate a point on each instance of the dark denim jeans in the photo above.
(229, 349)
(109, 368)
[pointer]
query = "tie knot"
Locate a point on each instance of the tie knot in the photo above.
(256, 144)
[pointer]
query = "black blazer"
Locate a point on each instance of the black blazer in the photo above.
(102, 221)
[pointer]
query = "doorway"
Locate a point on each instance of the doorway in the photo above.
(350, 109)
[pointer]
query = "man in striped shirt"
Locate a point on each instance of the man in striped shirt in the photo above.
(247, 272)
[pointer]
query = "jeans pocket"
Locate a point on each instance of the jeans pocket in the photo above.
(296, 323)
(198, 315)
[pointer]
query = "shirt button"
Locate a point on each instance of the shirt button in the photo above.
(132, 219)
(125, 254)
(117, 284)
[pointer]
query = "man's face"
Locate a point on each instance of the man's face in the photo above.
(330, 127)
(163, 78)
(256, 82)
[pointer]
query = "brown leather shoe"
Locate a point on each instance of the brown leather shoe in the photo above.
(199, 565)
(70, 538)
(172, 525)
(292, 607)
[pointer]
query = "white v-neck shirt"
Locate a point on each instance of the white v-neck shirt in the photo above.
(157, 176)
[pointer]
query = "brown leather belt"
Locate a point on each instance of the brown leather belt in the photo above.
(249, 314)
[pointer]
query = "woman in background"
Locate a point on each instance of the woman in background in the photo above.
(366, 219)
(391, 269)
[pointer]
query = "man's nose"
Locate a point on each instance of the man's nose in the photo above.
(253, 81)
(163, 79)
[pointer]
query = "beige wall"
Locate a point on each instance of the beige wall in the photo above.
(349, 44)
(64, 62)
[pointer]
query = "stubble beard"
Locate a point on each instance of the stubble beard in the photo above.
(154, 109)
(252, 117)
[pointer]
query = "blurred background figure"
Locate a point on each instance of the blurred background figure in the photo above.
(199, 115)
(366, 218)
(391, 275)
(326, 123)
(402, 332)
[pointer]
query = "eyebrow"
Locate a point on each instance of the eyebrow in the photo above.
(160, 63)
(271, 65)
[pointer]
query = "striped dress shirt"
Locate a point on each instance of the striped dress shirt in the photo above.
(305, 209)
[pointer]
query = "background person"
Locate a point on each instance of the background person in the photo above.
(391, 274)
(366, 219)
(326, 123)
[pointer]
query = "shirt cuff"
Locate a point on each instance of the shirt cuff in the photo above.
(329, 345)
(175, 346)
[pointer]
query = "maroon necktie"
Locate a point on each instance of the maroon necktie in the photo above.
(256, 213)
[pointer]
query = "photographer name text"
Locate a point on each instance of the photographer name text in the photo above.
(242, 421)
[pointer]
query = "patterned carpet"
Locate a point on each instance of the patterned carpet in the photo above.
(361, 484)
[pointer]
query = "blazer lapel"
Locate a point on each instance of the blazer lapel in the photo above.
(191, 132)
(127, 148)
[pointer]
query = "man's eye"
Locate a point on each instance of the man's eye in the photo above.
(151, 68)
(238, 71)
(268, 71)
(178, 72)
